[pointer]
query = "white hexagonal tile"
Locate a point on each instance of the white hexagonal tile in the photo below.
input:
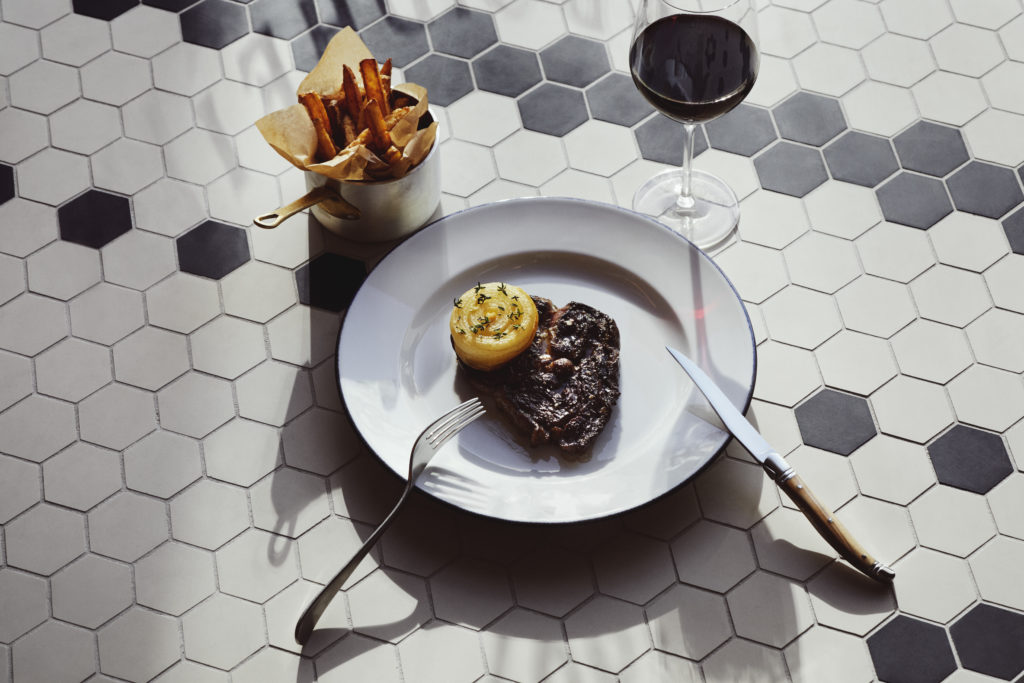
(898, 60)
(788, 545)
(828, 69)
(241, 194)
(127, 526)
(994, 571)
(273, 393)
(462, 660)
(530, 24)
(855, 611)
(875, 306)
(256, 59)
(12, 278)
(916, 19)
(577, 184)
(228, 107)
(966, 50)
(134, 355)
(712, 556)
(827, 474)
(951, 520)
(21, 134)
(596, 147)
(801, 317)
(822, 654)
(524, 646)
(27, 225)
(289, 502)
(256, 565)
(199, 156)
(85, 126)
(209, 514)
(182, 302)
(303, 335)
(949, 98)
(186, 69)
(25, 603)
(63, 270)
(785, 374)
(756, 272)
(259, 443)
(883, 527)
(157, 117)
(775, 80)
(848, 23)
(1010, 35)
(500, 190)
(842, 209)
(856, 362)
(138, 645)
(91, 590)
(357, 657)
(822, 262)
(174, 578)
(1005, 282)
(467, 167)
(863, 112)
(317, 441)
(115, 78)
(19, 486)
(145, 31)
(77, 647)
(256, 154)
(892, 469)
(388, 605)
(993, 136)
(770, 609)
(20, 47)
(967, 241)
(993, 339)
(1005, 500)
(484, 118)
(785, 32)
(634, 568)
(536, 590)
(82, 476)
(162, 464)
(196, 404)
(773, 219)
(127, 166)
(227, 347)
(43, 86)
(63, 531)
(75, 39)
(736, 493)
(283, 611)
(106, 313)
(931, 414)
(621, 639)
(987, 397)
(743, 655)
(933, 585)
(37, 14)
(29, 323)
(258, 291)
(474, 593)
(735, 169)
(529, 157)
(223, 631)
(37, 427)
(72, 369)
(53, 176)
(117, 416)
(999, 86)
(931, 351)
(169, 207)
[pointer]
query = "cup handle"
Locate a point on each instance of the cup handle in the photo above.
(314, 196)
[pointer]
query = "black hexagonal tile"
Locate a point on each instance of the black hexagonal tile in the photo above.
(445, 78)
(911, 651)
(661, 139)
(575, 61)
(1013, 226)
(745, 130)
(990, 640)
(836, 422)
(970, 459)
(930, 148)
(330, 281)
(859, 158)
(6, 183)
(553, 109)
(94, 218)
(507, 70)
(307, 48)
(809, 118)
(985, 189)
(402, 40)
(355, 13)
(103, 9)
(212, 249)
(615, 99)
(214, 23)
(914, 200)
(462, 32)
(283, 19)
(790, 169)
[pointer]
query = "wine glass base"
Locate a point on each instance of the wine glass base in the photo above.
(710, 221)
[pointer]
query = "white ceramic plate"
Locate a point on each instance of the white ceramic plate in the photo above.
(397, 370)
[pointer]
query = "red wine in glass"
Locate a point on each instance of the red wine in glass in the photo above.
(693, 68)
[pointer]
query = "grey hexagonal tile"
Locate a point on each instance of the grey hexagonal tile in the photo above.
(91, 590)
(790, 169)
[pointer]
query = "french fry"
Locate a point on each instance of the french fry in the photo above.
(353, 100)
(322, 124)
(348, 127)
(385, 80)
(372, 85)
(395, 116)
(336, 115)
(380, 139)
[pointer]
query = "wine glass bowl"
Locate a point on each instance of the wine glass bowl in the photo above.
(693, 60)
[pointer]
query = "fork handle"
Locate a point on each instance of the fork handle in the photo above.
(309, 618)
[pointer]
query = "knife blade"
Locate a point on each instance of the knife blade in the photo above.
(783, 474)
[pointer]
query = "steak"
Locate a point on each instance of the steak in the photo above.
(562, 389)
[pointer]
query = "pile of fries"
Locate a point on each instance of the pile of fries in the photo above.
(360, 116)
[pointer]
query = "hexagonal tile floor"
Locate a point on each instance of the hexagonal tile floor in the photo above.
(177, 475)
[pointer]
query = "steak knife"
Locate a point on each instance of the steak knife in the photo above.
(824, 520)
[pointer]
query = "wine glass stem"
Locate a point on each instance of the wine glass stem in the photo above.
(685, 201)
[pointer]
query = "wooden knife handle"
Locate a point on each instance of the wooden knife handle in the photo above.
(833, 531)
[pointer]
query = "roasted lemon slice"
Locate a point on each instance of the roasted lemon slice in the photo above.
(491, 324)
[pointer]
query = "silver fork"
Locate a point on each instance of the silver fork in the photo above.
(427, 445)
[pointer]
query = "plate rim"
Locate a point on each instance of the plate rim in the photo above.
(613, 208)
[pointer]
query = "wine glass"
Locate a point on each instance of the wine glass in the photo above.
(694, 60)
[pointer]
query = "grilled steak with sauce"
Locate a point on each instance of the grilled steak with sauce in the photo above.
(562, 389)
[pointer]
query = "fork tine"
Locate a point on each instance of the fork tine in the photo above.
(451, 416)
(438, 440)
